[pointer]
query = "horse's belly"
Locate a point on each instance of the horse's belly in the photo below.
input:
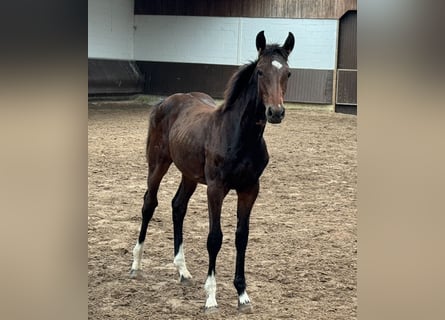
(186, 141)
(188, 158)
(190, 170)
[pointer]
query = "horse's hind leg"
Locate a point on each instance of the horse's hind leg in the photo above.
(155, 175)
(179, 206)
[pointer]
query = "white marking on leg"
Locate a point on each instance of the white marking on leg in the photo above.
(244, 298)
(210, 287)
(276, 64)
(179, 262)
(137, 256)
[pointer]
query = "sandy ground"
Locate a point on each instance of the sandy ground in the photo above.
(302, 254)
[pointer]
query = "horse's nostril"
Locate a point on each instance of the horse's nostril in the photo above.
(269, 112)
(283, 112)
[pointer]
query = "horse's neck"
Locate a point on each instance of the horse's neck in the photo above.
(244, 125)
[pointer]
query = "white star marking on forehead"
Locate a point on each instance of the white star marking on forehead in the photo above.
(276, 64)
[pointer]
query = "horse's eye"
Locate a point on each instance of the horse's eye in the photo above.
(260, 73)
(289, 74)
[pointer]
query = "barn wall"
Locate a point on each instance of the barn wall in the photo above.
(346, 91)
(231, 41)
(110, 29)
(106, 76)
(111, 66)
(184, 53)
(165, 78)
(200, 43)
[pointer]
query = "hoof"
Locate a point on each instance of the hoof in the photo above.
(211, 310)
(185, 281)
(135, 274)
(245, 308)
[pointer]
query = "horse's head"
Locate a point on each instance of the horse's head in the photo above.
(273, 72)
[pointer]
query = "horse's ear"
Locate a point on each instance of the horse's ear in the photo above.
(289, 43)
(260, 41)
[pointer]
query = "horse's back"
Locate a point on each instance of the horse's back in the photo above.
(204, 98)
(176, 104)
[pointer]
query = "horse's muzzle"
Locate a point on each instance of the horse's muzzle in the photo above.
(275, 114)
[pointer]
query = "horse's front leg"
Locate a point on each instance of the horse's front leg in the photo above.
(215, 196)
(246, 199)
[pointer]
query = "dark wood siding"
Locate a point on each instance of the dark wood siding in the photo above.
(165, 78)
(113, 77)
(310, 86)
(347, 41)
(346, 90)
(347, 87)
(333, 9)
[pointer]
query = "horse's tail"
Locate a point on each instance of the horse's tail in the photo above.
(151, 125)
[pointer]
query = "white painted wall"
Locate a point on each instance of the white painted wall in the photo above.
(231, 41)
(114, 32)
(110, 29)
(315, 40)
(186, 39)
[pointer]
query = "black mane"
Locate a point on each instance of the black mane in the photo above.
(240, 79)
(238, 83)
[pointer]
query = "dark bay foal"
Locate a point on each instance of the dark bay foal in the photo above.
(222, 147)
